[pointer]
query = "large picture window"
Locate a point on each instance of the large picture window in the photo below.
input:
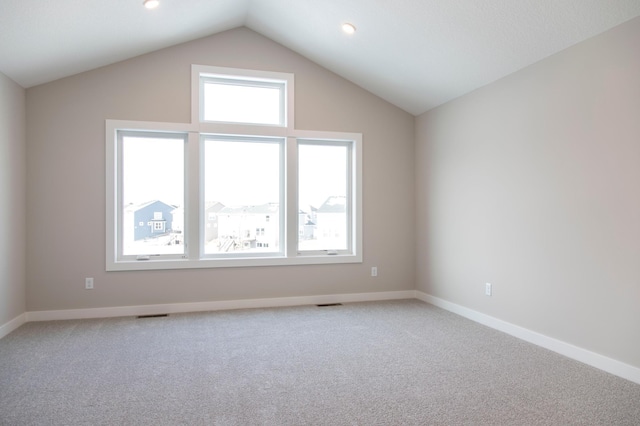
(244, 176)
(238, 186)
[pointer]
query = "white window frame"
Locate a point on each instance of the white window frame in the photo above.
(281, 200)
(202, 73)
(194, 225)
(350, 191)
(115, 208)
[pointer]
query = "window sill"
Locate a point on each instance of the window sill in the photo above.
(160, 264)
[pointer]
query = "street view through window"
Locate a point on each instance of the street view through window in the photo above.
(152, 194)
(242, 195)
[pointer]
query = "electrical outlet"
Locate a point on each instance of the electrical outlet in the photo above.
(374, 271)
(88, 283)
(488, 289)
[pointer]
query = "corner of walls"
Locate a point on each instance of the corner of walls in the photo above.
(12, 325)
(422, 202)
(12, 205)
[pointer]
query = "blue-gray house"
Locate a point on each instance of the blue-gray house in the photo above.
(150, 219)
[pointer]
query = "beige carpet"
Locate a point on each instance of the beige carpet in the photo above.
(380, 363)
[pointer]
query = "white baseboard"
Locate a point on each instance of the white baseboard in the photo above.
(593, 359)
(172, 308)
(12, 325)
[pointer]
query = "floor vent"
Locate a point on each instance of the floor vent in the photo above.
(329, 304)
(153, 316)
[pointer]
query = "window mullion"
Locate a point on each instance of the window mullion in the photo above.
(350, 204)
(291, 195)
(356, 188)
(118, 196)
(193, 176)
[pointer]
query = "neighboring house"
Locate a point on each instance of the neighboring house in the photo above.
(211, 220)
(177, 225)
(307, 224)
(177, 220)
(331, 221)
(146, 220)
(249, 227)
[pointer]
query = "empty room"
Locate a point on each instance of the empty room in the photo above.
(276, 212)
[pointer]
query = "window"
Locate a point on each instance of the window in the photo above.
(244, 174)
(226, 95)
(238, 186)
(324, 179)
(151, 180)
(242, 101)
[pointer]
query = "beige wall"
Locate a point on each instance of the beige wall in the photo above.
(12, 200)
(66, 192)
(533, 184)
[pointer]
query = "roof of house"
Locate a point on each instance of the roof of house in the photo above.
(334, 204)
(213, 206)
(268, 208)
(136, 207)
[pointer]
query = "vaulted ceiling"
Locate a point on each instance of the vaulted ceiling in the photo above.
(416, 54)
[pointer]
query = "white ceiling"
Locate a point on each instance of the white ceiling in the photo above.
(416, 54)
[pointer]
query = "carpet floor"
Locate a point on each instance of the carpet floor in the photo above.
(376, 363)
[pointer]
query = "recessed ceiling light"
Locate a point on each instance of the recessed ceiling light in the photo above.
(151, 4)
(348, 28)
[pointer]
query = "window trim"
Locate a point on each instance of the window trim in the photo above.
(192, 258)
(281, 142)
(350, 190)
(120, 134)
(198, 72)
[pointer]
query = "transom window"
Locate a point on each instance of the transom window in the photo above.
(243, 101)
(238, 186)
